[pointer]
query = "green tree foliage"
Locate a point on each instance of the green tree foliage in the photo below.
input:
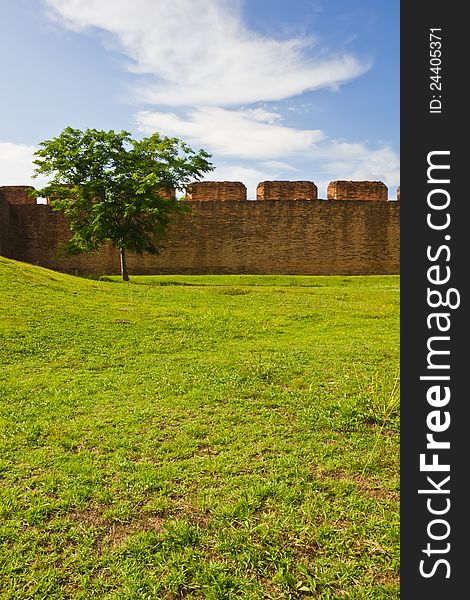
(112, 188)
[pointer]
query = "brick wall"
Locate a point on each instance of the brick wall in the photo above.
(4, 226)
(357, 190)
(286, 190)
(288, 236)
(37, 234)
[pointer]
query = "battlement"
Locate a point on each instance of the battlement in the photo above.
(17, 194)
(206, 191)
(357, 190)
(286, 190)
(286, 230)
(215, 191)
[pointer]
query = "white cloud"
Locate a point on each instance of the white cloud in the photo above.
(259, 135)
(16, 164)
(279, 165)
(199, 58)
(345, 160)
(249, 134)
(201, 53)
(250, 176)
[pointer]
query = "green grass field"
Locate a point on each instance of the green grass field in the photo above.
(199, 437)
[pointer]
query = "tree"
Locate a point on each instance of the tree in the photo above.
(112, 188)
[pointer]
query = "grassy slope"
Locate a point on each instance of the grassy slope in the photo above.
(200, 437)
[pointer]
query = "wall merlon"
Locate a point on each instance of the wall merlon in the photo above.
(17, 194)
(286, 190)
(169, 193)
(357, 190)
(209, 191)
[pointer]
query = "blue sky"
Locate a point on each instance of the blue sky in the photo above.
(306, 89)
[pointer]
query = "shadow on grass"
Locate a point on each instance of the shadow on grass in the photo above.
(117, 279)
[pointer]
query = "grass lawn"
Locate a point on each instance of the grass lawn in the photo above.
(199, 437)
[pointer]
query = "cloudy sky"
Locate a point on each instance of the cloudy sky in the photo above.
(273, 89)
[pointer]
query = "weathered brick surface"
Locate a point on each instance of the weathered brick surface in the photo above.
(37, 234)
(209, 191)
(169, 194)
(288, 236)
(4, 227)
(357, 190)
(286, 190)
(17, 194)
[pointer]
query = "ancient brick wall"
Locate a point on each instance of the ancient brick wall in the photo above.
(288, 236)
(4, 226)
(37, 235)
(17, 194)
(286, 190)
(357, 190)
(204, 191)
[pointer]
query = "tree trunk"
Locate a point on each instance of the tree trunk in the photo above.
(124, 273)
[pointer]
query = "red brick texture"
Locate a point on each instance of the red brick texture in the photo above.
(4, 226)
(209, 191)
(357, 190)
(17, 194)
(286, 190)
(283, 237)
